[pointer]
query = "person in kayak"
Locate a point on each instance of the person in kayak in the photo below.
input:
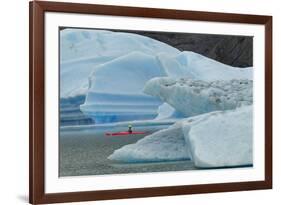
(130, 129)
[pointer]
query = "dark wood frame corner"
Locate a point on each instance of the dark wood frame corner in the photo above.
(37, 193)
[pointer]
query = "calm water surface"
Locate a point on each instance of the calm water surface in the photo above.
(87, 155)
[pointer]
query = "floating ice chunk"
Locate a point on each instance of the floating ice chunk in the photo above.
(224, 139)
(193, 97)
(210, 140)
(164, 145)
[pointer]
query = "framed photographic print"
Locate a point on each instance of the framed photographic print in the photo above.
(138, 102)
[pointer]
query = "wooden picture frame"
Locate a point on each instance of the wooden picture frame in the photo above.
(37, 193)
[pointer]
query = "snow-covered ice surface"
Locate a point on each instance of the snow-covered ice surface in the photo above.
(164, 145)
(222, 140)
(193, 97)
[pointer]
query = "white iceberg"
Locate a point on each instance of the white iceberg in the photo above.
(216, 139)
(168, 144)
(164, 145)
(195, 66)
(193, 97)
(222, 140)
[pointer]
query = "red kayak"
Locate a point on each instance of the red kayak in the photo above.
(123, 133)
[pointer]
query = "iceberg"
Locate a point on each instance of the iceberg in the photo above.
(165, 111)
(222, 140)
(198, 67)
(193, 97)
(82, 43)
(168, 144)
(101, 64)
(81, 50)
(70, 113)
(209, 140)
(104, 64)
(126, 76)
(191, 65)
(109, 79)
(111, 107)
(164, 145)
(115, 90)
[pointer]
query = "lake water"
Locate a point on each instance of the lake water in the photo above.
(87, 154)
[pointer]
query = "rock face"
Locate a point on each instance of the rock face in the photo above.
(193, 97)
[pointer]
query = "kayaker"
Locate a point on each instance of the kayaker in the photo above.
(130, 129)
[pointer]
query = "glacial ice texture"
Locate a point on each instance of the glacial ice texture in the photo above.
(222, 140)
(99, 62)
(110, 107)
(82, 50)
(121, 99)
(198, 67)
(193, 97)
